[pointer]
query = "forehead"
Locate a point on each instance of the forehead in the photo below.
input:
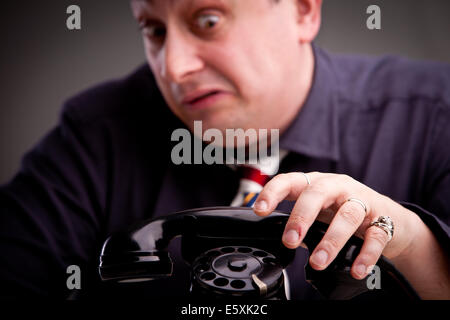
(161, 10)
(170, 5)
(175, 2)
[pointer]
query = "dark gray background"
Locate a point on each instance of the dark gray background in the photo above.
(42, 63)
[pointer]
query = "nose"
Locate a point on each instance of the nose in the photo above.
(180, 57)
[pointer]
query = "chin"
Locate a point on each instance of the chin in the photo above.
(220, 121)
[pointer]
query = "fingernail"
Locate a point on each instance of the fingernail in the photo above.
(360, 270)
(260, 205)
(291, 237)
(320, 257)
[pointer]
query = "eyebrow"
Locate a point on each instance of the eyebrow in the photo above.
(151, 2)
(148, 1)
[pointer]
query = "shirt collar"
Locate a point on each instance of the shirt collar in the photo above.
(315, 130)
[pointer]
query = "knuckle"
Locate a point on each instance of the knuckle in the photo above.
(378, 236)
(291, 177)
(275, 180)
(282, 177)
(269, 188)
(298, 221)
(274, 184)
(332, 243)
(345, 177)
(318, 189)
(350, 216)
(369, 257)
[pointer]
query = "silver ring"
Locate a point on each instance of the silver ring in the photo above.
(358, 201)
(385, 223)
(307, 178)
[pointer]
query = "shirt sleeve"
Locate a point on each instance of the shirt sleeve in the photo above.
(440, 230)
(51, 211)
(434, 207)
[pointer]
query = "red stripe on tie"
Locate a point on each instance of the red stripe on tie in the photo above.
(253, 174)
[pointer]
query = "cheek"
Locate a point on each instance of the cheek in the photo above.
(251, 78)
(240, 71)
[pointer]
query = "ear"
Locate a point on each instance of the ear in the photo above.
(308, 19)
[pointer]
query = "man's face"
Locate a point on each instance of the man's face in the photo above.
(229, 63)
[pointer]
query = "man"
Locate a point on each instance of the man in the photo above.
(365, 131)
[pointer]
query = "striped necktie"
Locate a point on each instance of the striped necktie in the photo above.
(253, 177)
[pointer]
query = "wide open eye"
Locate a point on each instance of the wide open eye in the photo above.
(207, 21)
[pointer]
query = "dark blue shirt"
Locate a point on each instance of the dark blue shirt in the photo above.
(106, 165)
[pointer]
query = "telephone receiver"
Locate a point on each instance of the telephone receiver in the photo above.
(233, 252)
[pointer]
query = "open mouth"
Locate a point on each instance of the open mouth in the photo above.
(203, 97)
(205, 100)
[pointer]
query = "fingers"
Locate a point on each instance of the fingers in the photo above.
(345, 223)
(313, 192)
(319, 196)
(375, 240)
(287, 186)
(311, 201)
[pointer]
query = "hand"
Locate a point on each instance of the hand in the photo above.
(325, 199)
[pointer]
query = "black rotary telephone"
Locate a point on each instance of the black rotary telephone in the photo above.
(234, 253)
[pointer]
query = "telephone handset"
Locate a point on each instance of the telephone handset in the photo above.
(235, 253)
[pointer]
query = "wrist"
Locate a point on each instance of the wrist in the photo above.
(423, 261)
(411, 231)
